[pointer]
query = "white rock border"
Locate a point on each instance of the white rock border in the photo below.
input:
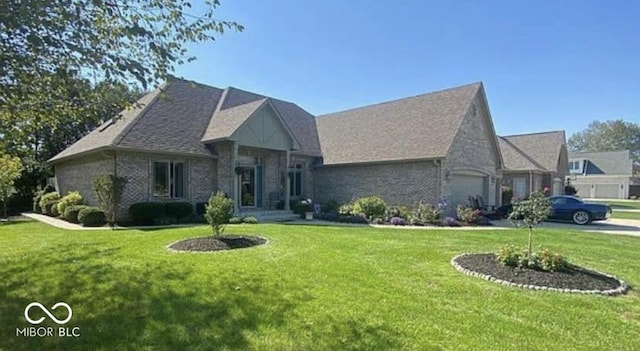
(622, 289)
(168, 246)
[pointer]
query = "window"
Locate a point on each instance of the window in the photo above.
(169, 179)
(295, 180)
(575, 167)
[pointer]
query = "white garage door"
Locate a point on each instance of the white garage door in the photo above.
(463, 186)
(607, 191)
(584, 190)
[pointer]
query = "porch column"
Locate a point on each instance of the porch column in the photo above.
(234, 162)
(286, 181)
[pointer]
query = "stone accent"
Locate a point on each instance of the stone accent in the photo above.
(77, 175)
(624, 287)
(225, 170)
(398, 183)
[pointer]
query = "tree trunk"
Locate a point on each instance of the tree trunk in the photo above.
(529, 245)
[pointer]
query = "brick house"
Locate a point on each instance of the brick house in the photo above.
(187, 140)
(533, 162)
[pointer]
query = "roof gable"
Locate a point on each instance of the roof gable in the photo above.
(418, 127)
(265, 128)
(541, 150)
(606, 162)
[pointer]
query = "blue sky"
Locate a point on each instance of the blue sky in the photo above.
(546, 65)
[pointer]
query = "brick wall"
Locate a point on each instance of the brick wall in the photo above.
(78, 174)
(403, 183)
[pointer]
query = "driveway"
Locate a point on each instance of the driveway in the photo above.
(611, 226)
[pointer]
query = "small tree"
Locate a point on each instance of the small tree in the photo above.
(530, 212)
(218, 212)
(109, 189)
(10, 169)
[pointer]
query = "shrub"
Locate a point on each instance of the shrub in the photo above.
(331, 206)
(71, 199)
(530, 212)
(109, 189)
(250, 220)
(179, 210)
(450, 222)
(425, 214)
(200, 208)
(399, 211)
(551, 262)
(71, 213)
(46, 200)
(327, 216)
(91, 217)
(52, 209)
(509, 256)
(353, 219)
(397, 221)
(235, 220)
(36, 200)
(219, 211)
(346, 209)
(507, 195)
(467, 214)
(370, 207)
(145, 213)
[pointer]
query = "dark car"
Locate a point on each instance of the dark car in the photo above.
(571, 208)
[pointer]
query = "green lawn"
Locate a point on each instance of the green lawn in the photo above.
(626, 205)
(310, 288)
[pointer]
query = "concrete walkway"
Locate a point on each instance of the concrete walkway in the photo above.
(59, 223)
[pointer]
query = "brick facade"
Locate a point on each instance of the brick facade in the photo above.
(77, 174)
(398, 183)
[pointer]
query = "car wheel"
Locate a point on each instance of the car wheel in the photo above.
(581, 217)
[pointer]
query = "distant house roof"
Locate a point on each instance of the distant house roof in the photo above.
(606, 162)
(183, 116)
(532, 152)
(418, 127)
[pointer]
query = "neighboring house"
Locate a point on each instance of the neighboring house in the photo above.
(188, 140)
(606, 175)
(534, 162)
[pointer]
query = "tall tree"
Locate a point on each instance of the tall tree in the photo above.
(119, 40)
(10, 168)
(608, 136)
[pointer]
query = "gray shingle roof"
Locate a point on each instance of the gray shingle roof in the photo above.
(606, 162)
(535, 151)
(186, 115)
(418, 127)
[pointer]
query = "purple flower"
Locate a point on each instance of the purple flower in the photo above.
(397, 221)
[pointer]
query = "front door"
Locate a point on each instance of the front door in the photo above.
(248, 187)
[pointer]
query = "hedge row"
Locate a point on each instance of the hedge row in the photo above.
(160, 213)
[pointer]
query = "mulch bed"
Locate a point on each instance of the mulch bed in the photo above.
(574, 280)
(209, 243)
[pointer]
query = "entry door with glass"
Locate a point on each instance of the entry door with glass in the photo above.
(248, 187)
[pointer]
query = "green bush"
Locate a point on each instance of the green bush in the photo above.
(52, 209)
(179, 210)
(426, 214)
(467, 214)
(398, 211)
(235, 220)
(509, 256)
(36, 200)
(200, 208)
(91, 217)
(331, 206)
(145, 213)
(219, 211)
(71, 213)
(346, 209)
(165, 220)
(250, 220)
(72, 198)
(370, 207)
(507, 195)
(551, 262)
(46, 200)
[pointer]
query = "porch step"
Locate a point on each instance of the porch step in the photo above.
(271, 216)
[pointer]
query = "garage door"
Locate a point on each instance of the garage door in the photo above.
(607, 191)
(584, 190)
(464, 185)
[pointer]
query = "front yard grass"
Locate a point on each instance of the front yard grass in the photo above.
(310, 288)
(625, 205)
(625, 215)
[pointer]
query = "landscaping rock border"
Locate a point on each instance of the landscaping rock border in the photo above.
(622, 289)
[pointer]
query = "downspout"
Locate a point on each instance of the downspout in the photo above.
(530, 182)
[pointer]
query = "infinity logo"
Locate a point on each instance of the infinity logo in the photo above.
(44, 309)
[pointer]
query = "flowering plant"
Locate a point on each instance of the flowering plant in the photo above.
(306, 205)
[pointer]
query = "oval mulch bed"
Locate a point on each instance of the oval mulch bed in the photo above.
(576, 279)
(209, 243)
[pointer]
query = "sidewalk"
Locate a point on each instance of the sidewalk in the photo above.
(59, 223)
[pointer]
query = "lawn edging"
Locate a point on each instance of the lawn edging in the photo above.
(622, 289)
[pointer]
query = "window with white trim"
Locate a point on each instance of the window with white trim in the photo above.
(295, 180)
(169, 179)
(575, 166)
